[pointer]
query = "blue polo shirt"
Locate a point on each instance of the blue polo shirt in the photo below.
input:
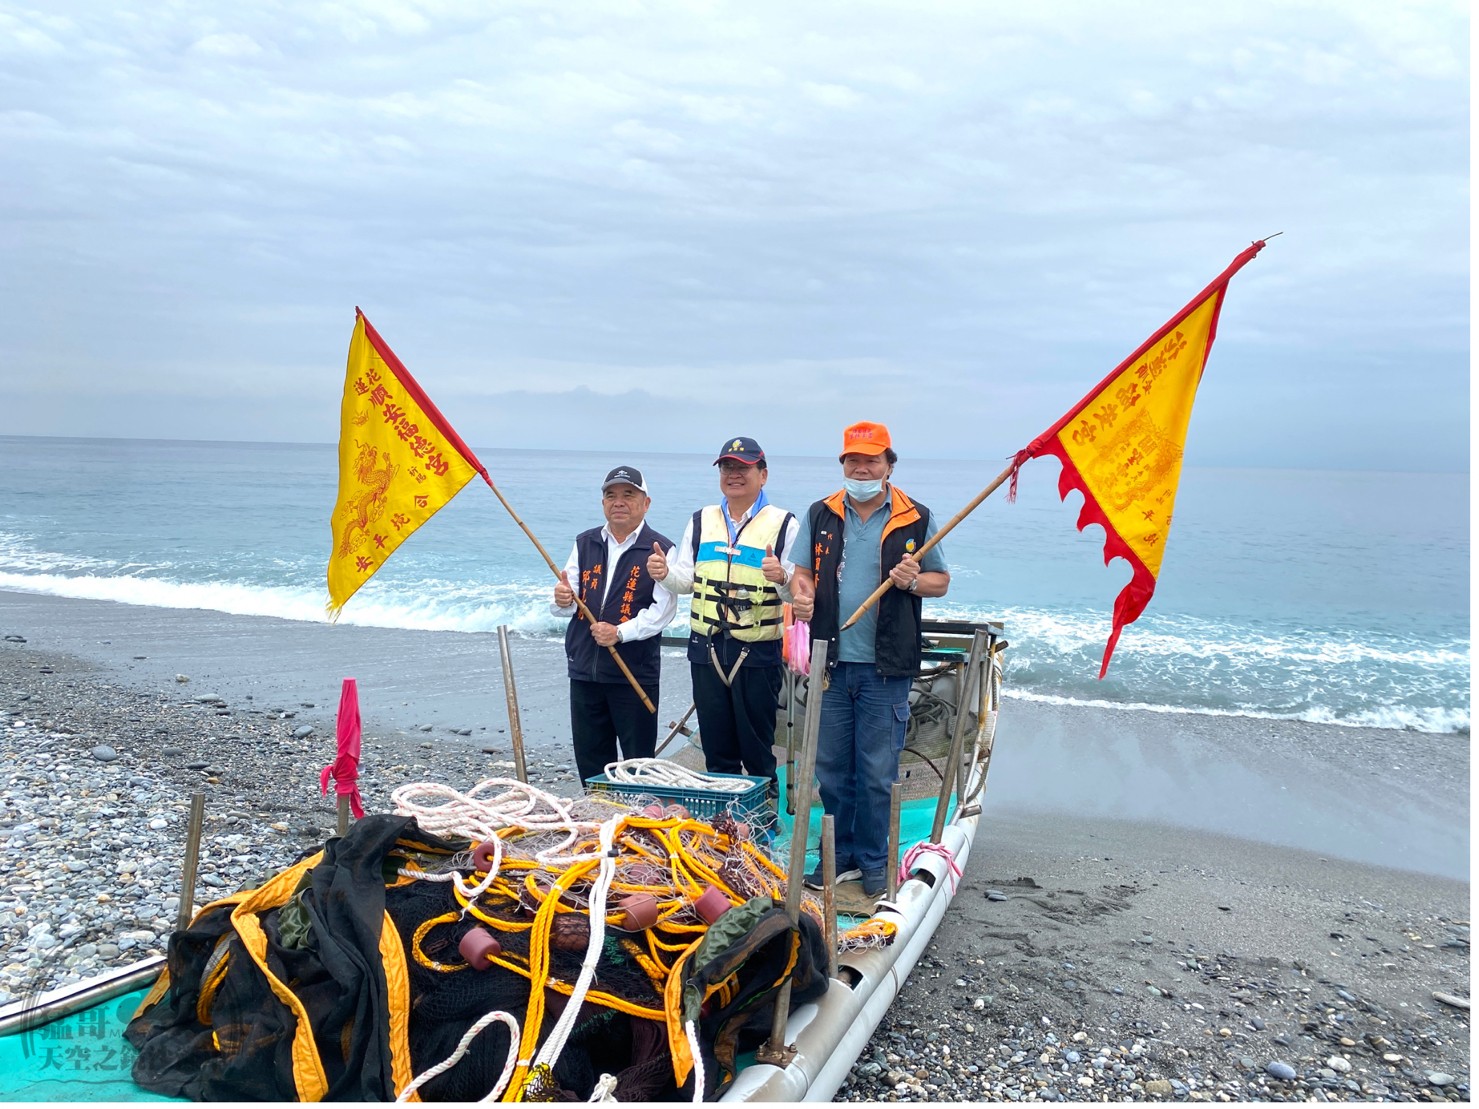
(860, 572)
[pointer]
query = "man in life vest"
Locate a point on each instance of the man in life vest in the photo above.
(867, 531)
(735, 557)
(608, 567)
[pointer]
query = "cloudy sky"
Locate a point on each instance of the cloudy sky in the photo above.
(590, 223)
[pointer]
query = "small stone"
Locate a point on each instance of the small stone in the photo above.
(303, 731)
(995, 895)
(1338, 1063)
(1438, 1078)
(1158, 1087)
(103, 753)
(1280, 1070)
(182, 678)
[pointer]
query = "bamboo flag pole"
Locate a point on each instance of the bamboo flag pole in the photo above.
(584, 611)
(888, 582)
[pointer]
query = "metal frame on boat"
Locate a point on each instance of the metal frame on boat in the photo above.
(826, 1036)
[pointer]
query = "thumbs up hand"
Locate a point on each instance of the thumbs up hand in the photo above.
(564, 595)
(657, 563)
(771, 567)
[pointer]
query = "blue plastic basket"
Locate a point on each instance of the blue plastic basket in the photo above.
(705, 804)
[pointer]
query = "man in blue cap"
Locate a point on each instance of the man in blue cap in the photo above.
(735, 558)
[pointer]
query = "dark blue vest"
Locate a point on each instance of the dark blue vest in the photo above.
(897, 644)
(630, 593)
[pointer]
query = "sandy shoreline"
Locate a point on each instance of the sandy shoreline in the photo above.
(1121, 916)
(1389, 798)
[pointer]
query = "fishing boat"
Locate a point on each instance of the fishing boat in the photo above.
(68, 1044)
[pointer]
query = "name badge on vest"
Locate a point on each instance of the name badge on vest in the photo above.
(729, 551)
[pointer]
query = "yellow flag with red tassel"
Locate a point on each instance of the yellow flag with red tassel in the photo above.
(1121, 446)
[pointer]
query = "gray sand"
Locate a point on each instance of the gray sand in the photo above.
(1391, 798)
(1176, 902)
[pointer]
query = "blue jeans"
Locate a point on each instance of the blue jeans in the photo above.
(864, 716)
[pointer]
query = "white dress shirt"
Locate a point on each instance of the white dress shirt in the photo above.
(645, 624)
(680, 563)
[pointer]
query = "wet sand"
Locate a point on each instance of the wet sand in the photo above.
(1389, 798)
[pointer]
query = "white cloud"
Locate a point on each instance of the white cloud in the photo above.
(829, 95)
(233, 45)
(844, 195)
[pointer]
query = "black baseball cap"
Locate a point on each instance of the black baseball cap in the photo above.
(741, 449)
(625, 475)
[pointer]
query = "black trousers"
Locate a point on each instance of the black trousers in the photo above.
(605, 713)
(736, 723)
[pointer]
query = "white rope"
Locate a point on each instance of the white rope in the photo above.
(491, 806)
(698, 1062)
(550, 1051)
(662, 772)
(462, 1046)
(470, 893)
(605, 1089)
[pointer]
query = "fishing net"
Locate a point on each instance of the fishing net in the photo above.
(497, 939)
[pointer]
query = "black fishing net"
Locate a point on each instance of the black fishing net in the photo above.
(327, 1026)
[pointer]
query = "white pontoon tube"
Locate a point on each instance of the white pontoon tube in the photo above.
(829, 1033)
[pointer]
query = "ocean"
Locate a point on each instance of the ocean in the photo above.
(1329, 596)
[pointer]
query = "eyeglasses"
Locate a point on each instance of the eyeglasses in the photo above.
(735, 468)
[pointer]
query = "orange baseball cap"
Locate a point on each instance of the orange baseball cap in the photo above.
(865, 438)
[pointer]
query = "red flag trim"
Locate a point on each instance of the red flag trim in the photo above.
(1136, 595)
(412, 386)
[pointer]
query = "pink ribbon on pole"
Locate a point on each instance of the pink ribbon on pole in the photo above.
(345, 767)
(796, 644)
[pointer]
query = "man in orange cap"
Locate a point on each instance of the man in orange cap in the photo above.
(867, 531)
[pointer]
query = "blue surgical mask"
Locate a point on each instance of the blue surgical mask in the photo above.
(862, 490)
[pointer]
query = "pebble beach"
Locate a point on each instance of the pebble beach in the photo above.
(1102, 946)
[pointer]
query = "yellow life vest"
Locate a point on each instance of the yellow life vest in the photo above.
(730, 594)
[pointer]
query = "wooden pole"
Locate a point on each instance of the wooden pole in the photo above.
(343, 816)
(515, 729)
(888, 582)
(775, 1050)
(829, 890)
(791, 678)
(192, 860)
(895, 811)
(580, 604)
